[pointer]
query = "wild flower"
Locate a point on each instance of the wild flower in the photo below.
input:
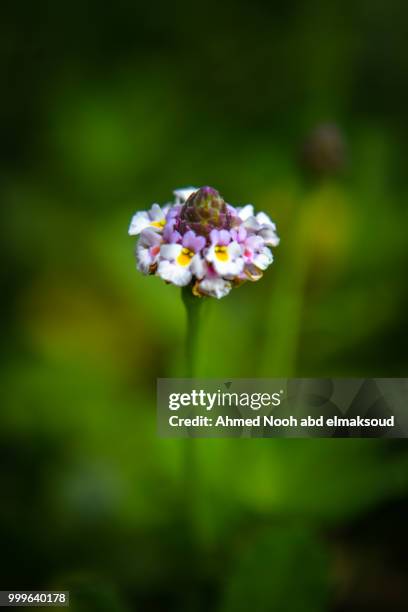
(201, 241)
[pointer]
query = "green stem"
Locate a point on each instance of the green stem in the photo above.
(193, 306)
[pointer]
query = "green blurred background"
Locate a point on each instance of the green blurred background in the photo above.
(299, 108)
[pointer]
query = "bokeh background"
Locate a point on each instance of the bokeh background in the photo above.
(299, 108)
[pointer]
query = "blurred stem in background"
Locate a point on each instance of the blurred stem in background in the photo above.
(285, 308)
(318, 242)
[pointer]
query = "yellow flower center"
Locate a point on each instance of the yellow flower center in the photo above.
(160, 224)
(185, 257)
(221, 253)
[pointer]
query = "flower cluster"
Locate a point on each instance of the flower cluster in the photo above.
(202, 241)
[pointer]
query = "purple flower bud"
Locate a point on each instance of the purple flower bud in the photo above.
(204, 211)
(324, 152)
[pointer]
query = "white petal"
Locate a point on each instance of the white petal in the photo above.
(173, 273)
(263, 219)
(156, 213)
(170, 251)
(229, 268)
(252, 225)
(263, 259)
(144, 260)
(269, 236)
(245, 212)
(181, 195)
(198, 266)
(234, 250)
(210, 253)
(138, 223)
(149, 238)
(144, 256)
(215, 287)
(233, 266)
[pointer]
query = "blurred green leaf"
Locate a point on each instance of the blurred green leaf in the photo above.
(284, 569)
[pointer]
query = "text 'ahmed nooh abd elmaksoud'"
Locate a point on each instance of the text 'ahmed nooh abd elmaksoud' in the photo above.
(285, 422)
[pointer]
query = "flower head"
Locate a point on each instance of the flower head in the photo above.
(202, 241)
